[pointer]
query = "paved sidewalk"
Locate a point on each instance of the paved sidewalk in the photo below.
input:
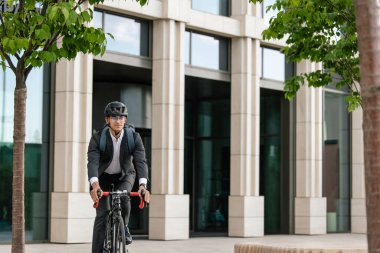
(346, 242)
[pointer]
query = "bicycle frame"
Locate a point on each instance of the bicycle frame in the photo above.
(114, 241)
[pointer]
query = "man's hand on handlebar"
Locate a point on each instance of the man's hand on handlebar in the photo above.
(94, 192)
(144, 193)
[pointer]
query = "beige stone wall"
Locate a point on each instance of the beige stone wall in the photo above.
(168, 104)
(72, 214)
(310, 206)
(358, 205)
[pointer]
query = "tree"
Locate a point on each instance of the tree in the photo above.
(368, 27)
(34, 32)
(338, 33)
(320, 31)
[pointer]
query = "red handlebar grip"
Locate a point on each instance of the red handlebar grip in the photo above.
(135, 194)
(142, 203)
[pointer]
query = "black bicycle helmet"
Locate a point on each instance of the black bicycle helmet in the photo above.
(115, 108)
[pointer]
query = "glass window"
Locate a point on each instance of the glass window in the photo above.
(273, 64)
(218, 7)
(336, 167)
(206, 51)
(36, 153)
(271, 13)
(187, 47)
(131, 36)
(97, 20)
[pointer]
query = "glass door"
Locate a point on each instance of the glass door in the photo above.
(212, 171)
(139, 219)
(274, 161)
(207, 154)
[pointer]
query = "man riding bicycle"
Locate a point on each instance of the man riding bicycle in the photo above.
(115, 164)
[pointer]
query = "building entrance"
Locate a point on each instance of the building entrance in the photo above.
(132, 86)
(275, 172)
(207, 153)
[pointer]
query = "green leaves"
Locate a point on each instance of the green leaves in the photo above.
(43, 33)
(86, 16)
(52, 12)
(353, 101)
(14, 44)
(143, 2)
(321, 31)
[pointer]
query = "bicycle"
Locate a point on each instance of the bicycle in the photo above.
(114, 241)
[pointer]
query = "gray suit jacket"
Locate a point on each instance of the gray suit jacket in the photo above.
(98, 162)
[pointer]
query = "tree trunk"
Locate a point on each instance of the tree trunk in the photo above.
(368, 27)
(18, 220)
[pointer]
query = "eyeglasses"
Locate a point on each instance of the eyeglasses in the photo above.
(116, 118)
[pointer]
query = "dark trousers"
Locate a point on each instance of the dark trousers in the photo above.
(105, 182)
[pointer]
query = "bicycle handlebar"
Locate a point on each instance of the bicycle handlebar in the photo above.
(121, 193)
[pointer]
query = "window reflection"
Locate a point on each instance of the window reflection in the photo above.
(97, 20)
(36, 155)
(33, 107)
(131, 36)
(187, 48)
(337, 169)
(206, 51)
(273, 64)
(218, 7)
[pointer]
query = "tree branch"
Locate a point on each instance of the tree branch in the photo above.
(80, 2)
(6, 56)
(44, 8)
(21, 6)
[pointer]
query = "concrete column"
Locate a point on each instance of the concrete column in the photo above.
(72, 214)
(310, 206)
(169, 208)
(358, 205)
(246, 207)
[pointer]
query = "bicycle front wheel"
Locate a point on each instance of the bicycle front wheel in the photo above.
(107, 244)
(119, 236)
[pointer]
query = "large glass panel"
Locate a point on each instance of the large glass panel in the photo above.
(207, 153)
(131, 36)
(212, 175)
(212, 185)
(219, 7)
(127, 35)
(270, 161)
(336, 183)
(36, 155)
(139, 221)
(97, 20)
(209, 52)
(186, 49)
(273, 64)
(275, 172)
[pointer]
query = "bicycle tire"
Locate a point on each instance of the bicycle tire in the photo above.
(107, 244)
(118, 237)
